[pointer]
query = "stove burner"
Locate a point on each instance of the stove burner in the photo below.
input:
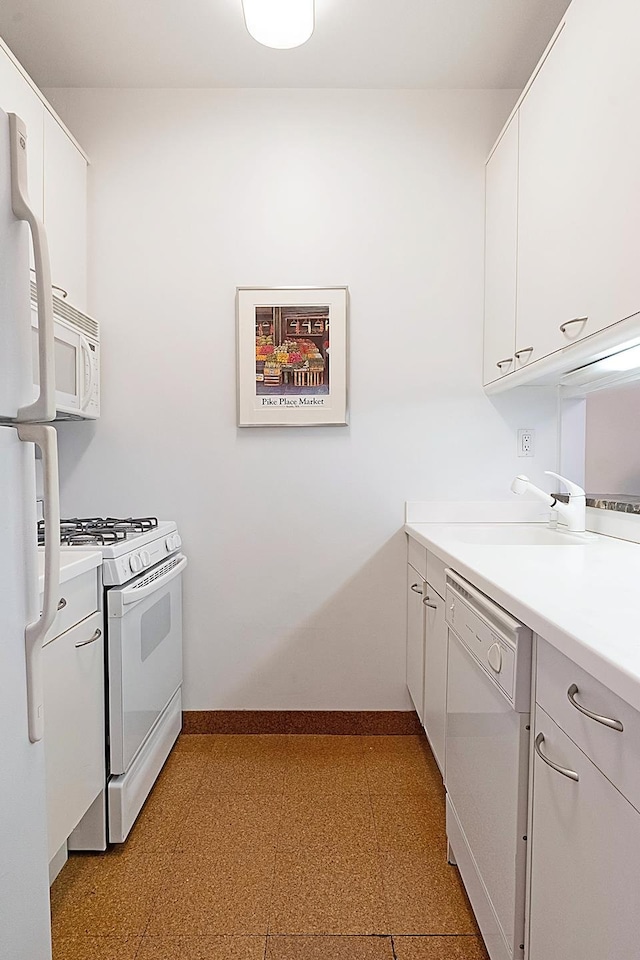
(138, 524)
(91, 536)
(98, 530)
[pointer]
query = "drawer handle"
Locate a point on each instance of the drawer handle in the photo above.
(524, 350)
(96, 636)
(567, 323)
(62, 603)
(501, 363)
(416, 588)
(427, 603)
(606, 721)
(571, 774)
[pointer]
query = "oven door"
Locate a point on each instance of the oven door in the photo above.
(144, 655)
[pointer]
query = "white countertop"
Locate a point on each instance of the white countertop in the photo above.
(72, 564)
(583, 598)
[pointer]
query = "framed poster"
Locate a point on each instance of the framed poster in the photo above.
(292, 356)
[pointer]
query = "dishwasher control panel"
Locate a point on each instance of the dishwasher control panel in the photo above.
(500, 644)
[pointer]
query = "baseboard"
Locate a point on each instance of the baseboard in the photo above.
(331, 722)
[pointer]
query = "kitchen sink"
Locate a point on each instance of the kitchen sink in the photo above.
(521, 535)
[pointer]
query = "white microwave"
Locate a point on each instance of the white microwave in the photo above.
(77, 360)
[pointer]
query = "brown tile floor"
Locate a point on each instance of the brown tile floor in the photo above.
(276, 848)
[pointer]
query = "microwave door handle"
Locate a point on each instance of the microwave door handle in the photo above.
(86, 351)
(44, 406)
(47, 439)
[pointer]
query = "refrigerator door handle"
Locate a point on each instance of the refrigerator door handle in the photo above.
(44, 406)
(47, 440)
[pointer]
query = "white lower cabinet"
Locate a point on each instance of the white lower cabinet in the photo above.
(415, 639)
(427, 645)
(585, 887)
(435, 673)
(73, 665)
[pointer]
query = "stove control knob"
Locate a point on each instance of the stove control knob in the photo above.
(146, 559)
(169, 544)
(135, 563)
(177, 541)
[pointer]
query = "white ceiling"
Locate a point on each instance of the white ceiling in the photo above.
(203, 43)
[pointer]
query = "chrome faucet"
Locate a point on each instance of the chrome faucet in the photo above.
(572, 513)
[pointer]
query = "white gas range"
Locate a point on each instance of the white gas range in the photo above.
(142, 566)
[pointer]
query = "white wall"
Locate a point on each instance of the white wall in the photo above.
(613, 441)
(295, 593)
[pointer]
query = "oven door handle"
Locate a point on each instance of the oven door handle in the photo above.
(133, 594)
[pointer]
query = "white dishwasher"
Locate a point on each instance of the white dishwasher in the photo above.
(487, 757)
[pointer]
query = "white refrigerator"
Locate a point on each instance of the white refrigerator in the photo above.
(24, 882)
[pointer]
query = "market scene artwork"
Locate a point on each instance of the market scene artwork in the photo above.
(292, 356)
(292, 350)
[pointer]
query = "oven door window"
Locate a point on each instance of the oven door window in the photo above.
(145, 667)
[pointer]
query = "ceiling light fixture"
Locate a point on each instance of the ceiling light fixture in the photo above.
(281, 24)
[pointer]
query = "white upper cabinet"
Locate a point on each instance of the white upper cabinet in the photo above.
(501, 227)
(579, 184)
(57, 172)
(65, 212)
(548, 275)
(578, 192)
(606, 212)
(18, 96)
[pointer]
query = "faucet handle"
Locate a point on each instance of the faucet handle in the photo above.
(573, 488)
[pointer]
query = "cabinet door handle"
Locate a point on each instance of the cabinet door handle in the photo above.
(427, 603)
(567, 323)
(524, 350)
(607, 721)
(62, 603)
(96, 636)
(501, 363)
(416, 588)
(571, 774)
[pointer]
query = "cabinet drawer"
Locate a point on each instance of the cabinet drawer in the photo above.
(615, 753)
(74, 740)
(417, 556)
(78, 600)
(585, 845)
(435, 574)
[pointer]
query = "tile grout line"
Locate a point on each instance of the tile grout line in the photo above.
(173, 848)
(379, 857)
(276, 849)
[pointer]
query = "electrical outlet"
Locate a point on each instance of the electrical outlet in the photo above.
(526, 443)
